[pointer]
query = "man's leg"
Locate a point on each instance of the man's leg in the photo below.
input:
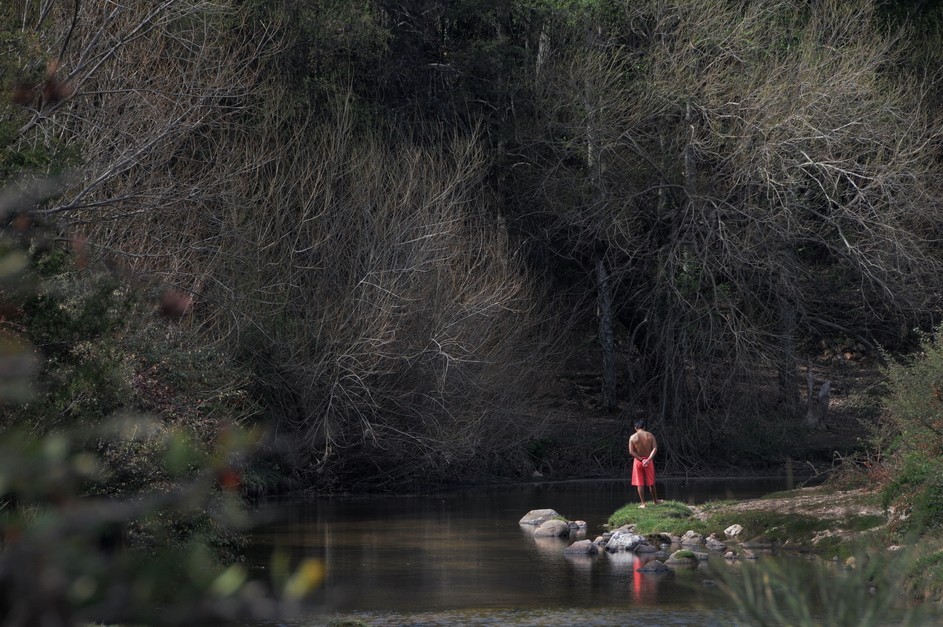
(641, 495)
(654, 495)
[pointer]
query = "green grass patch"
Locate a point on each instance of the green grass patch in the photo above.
(670, 516)
(863, 523)
(776, 526)
(683, 554)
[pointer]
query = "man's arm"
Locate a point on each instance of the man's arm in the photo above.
(654, 450)
(632, 448)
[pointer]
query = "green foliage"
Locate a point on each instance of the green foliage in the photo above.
(916, 397)
(118, 512)
(83, 377)
(21, 77)
(924, 575)
(915, 406)
(776, 526)
(918, 488)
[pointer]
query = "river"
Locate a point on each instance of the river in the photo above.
(460, 558)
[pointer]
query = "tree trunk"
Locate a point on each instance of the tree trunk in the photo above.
(817, 404)
(606, 336)
(603, 284)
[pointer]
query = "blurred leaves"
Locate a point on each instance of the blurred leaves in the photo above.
(109, 513)
(307, 578)
(18, 365)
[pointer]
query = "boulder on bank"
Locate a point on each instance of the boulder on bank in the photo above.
(538, 517)
(664, 537)
(691, 538)
(552, 529)
(733, 531)
(714, 544)
(623, 541)
(581, 547)
(628, 528)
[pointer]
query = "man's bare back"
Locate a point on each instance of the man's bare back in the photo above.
(641, 444)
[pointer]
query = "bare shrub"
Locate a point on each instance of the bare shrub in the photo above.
(386, 316)
(391, 330)
(155, 91)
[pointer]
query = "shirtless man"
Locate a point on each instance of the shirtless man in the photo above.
(642, 448)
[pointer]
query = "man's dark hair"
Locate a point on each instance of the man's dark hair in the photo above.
(639, 424)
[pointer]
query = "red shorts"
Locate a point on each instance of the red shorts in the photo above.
(643, 475)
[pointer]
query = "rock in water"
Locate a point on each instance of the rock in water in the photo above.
(581, 547)
(623, 541)
(538, 517)
(552, 529)
(653, 566)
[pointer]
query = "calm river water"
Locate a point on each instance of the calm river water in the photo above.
(462, 559)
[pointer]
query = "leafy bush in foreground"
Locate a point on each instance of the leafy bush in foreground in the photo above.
(120, 457)
(915, 407)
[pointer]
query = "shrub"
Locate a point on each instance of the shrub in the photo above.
(915, 408)
(96, 498)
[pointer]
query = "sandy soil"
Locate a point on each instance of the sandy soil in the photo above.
(817, 502)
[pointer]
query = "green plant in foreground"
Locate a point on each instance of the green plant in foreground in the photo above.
(111, 516)
(800, 593)
(915, 405)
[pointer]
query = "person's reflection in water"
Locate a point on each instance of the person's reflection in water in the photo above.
(644, 585)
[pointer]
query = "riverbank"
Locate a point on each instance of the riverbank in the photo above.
(818, 519)
(844, 526)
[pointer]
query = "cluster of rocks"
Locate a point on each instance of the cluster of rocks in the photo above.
(548, 523)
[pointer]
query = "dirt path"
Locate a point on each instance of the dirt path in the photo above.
(817, 502)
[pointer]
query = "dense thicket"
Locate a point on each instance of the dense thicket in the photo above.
(374, 206)
(390, 329)
(721, 188)
(744, 179)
